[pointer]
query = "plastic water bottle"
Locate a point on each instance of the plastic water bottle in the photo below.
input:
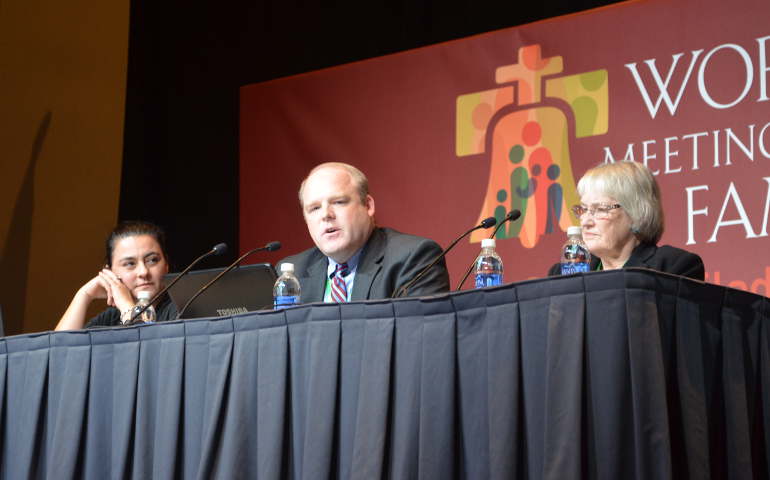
(575, 256)
(489, 266)
(286, 290)
(149, 315)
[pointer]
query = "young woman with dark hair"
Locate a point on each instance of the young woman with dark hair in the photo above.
(135, 261)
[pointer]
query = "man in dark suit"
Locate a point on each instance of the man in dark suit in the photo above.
(353, 258)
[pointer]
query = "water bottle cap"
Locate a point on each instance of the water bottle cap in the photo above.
(573, 230)
(487, 243)
(143, 295)
(287, 267)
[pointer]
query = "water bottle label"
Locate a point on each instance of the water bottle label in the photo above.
(577, 267)
(576, 252)
(488, 280)
(284, 301)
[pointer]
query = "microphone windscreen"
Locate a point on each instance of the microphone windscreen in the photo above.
(273, 246)
(513, 215)
(488, 222)
(219, 248)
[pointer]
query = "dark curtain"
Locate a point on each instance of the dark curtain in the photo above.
(623, 374)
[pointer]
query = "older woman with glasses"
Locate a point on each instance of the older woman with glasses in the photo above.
(622, 219)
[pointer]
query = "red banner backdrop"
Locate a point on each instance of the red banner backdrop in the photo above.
(453, 133)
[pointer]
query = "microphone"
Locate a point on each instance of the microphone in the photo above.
(270, 247)
(486, 223)
(512, 216)
(217, 249)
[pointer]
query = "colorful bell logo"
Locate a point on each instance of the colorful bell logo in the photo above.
(526, 126)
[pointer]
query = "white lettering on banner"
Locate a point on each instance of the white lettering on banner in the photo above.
(668, 93)
(663, 95)
(695, 137)
(761, 141)
(763, 69)
(743, 220)
(691, 212)
(662, 86)
(763, 232)
(608, 158)
(716, 147)
(731, 198)
(723, 147)
(746, 86)
(732, 138)
(670, 153)
(646, 156)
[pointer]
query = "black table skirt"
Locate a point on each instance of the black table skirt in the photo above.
(623, 374)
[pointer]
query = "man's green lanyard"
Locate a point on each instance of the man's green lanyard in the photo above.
(327, 289)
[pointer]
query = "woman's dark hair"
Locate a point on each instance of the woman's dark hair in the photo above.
(132, 229)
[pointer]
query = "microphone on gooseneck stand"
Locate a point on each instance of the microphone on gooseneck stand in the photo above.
(512, 216)
(218, 249)
(488, 222)
(270, 247)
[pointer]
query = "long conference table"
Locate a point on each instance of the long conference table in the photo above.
(626, 374)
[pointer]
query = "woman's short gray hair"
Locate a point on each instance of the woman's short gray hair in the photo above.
(633, 186)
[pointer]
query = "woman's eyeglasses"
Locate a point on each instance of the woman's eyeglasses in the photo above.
(599, 211)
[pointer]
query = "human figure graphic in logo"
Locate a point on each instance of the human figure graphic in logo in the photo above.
(555, 198)
(528, 135)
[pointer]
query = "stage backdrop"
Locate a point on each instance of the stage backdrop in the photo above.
(453, 133)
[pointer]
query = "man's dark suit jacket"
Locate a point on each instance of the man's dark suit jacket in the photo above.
(663, 259)
(388, 260)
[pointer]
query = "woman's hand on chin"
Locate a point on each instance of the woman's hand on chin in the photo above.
(118, 294)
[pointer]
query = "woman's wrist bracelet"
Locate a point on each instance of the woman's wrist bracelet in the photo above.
(125, 316)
